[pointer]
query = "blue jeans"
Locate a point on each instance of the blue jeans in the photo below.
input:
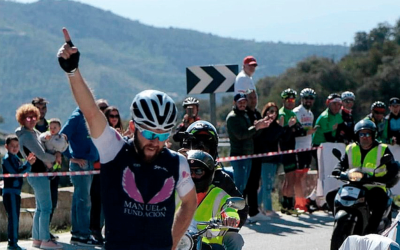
(268, 173)
(81, 205)
(241, 172)
(41, 219)
(233, 241)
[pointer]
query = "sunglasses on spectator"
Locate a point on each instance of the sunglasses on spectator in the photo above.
(102, 108)
(113, 116)
(308, 98)
(197, 171)
(291, 100)
(364, 134)
(272, 111)
(348, 101)
(150, 135)
(30, 118)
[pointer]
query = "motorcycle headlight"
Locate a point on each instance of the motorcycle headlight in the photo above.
(355, 175)
(186, 243)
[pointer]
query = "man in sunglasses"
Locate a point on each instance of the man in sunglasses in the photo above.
(244, 81)
(377, 116)
(366, 153)
(139, 177)
(393, 120)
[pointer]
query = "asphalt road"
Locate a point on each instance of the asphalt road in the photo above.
(306, 232)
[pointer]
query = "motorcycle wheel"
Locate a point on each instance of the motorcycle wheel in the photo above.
(341, 230)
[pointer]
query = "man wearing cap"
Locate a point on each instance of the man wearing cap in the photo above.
(241, 132)
(244, 81)
(328, 121)
(394, 121)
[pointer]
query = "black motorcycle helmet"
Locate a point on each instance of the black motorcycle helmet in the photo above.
(202, 135)
(203, 160)
(365, 124)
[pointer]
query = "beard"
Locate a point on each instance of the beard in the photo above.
(140, 149)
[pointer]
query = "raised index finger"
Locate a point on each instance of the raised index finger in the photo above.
(66, 35)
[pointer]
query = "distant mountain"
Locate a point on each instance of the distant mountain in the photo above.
(119, 57)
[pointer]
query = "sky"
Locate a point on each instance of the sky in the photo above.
(289, 21)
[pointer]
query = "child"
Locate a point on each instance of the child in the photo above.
(12, 187)
(53, 141)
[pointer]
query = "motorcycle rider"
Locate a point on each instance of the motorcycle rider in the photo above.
(202, 135)
(366, 153)
(210, 200)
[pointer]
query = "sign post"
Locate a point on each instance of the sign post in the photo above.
(211, 80)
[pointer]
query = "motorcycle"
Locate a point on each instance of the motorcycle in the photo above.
(192, 240)
(351, 210)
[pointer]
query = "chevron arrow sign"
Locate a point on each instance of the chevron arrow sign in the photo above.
(211, 79)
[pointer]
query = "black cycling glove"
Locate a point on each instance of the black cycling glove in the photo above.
(71, 64)
(336, 172)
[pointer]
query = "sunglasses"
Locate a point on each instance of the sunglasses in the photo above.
(348, 101)
(308, 98)
(364, 134)
(197, 171)
(150, 135)
(113, 116)
(103, 107)
(290, 100)
(272, 111)
(379, 113)
(30, 118)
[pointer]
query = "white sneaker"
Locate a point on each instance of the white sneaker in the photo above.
(259, 217)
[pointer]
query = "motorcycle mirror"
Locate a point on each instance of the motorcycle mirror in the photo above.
(236, 203)
(336, 152)
(387, 158)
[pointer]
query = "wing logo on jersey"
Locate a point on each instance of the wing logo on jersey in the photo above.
(130, 187)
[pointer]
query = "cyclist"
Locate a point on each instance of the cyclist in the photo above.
(191, 107)
(345, 130)
(138, 176)
(377, 116)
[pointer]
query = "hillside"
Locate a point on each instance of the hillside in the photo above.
(119, 57)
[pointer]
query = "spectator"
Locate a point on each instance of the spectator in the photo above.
(271, 136)
(293, 128)
(394, 121)
(12, 164)
(327, 124)
(114, 119)
(328, 121)
(345, 130)
(377, 116)
(42, 126)
(53, 141)
(244, 81)
(241, 132)
(27, 115)
(255, 173)
(306, 119)
(82, 154)
(191, 107)
(139, 177)
(102, 104)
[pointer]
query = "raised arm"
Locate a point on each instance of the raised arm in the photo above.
(68, 57)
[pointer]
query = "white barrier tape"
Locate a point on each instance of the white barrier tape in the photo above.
(243, 157)
(51, 174)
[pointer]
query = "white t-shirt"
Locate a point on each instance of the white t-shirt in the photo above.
(110, 143)
(243, 83)
(306, 119)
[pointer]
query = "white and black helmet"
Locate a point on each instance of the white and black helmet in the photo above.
(307, 92)
(155, 109)
(190, 101)
(348, 95)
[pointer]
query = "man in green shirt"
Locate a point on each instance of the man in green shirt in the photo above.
(328, 121)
